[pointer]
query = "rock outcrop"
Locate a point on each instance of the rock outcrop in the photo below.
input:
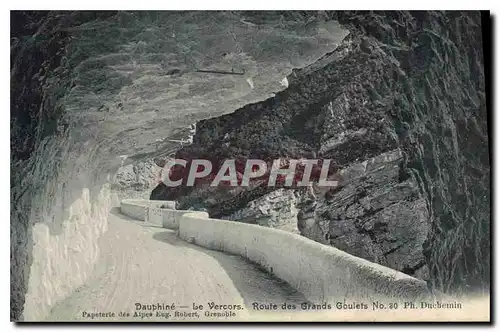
(136, 180)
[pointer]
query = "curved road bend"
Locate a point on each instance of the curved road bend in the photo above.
(145, 264)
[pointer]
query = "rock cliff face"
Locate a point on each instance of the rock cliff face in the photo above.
(440, 115)
(400, 108)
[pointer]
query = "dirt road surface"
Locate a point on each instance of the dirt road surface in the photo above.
(148, 265)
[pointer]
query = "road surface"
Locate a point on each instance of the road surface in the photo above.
(145, 264)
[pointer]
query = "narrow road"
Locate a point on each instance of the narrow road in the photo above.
(149, 265)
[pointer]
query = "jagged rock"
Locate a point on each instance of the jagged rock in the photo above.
(276, 209)
(136, 180)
